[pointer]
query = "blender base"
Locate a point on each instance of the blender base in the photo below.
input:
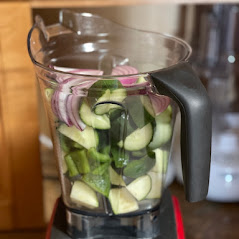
(169, 222)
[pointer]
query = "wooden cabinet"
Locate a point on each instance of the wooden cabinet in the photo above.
(21, 200)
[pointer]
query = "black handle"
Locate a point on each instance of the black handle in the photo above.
(180, 83)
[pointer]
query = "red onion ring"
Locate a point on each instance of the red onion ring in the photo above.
(72, 106)
(159, 102)
(62, 107)
(54, 104)
(60, 77)
(139, 85)
(66, 106)
(125, 70)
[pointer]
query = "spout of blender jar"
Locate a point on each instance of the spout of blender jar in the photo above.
(180, 83)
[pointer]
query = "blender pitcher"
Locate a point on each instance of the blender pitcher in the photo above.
(111, 95)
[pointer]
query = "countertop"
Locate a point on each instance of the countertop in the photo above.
(208, 220)
(203, 220)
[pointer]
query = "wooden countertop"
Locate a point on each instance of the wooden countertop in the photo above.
(208, 220)
(204, 220)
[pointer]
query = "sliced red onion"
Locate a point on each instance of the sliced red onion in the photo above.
(54, 104)
(81, 90)
(62, 107)
(66, 106)
(125, 70)
(72, 107)
(60, 77)
(159, 102)
(137, 92)
(143, 84)
(82, 82)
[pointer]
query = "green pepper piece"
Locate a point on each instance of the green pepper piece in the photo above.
(93, 154)
(120, 157)
(68, 145)
(64, 143)
(81, 161)
(71, 166)
(101, 169)
(100, 183)
(76, 145)
(106, 150)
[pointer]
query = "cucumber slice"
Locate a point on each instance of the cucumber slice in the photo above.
(161, 163)
(122, 201)
(115, 178)
(73, 171)
(139, 139)
(91, 119)
(162, 134)
(165, 117)
(156, 189)
(147, 105)
(87, 138)
(140, 187)
(83, 195)
(117, 95)
(139, 167)
(104, 108)
(141, 79)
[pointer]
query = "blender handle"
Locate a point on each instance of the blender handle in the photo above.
(180, 83)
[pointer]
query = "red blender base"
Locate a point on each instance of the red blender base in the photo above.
(171, 223)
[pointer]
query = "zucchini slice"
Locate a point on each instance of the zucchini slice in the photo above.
(161, 163)
(115, 178)
(122, 201)
(156, 189)
(117, 95)
(103, 108)
(83, 195)
(162, 134)
(93, 120)
(139, 139)
(87, 138)
(147, 105)
(140, 187)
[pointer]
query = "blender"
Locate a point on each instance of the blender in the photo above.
(112, 94)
